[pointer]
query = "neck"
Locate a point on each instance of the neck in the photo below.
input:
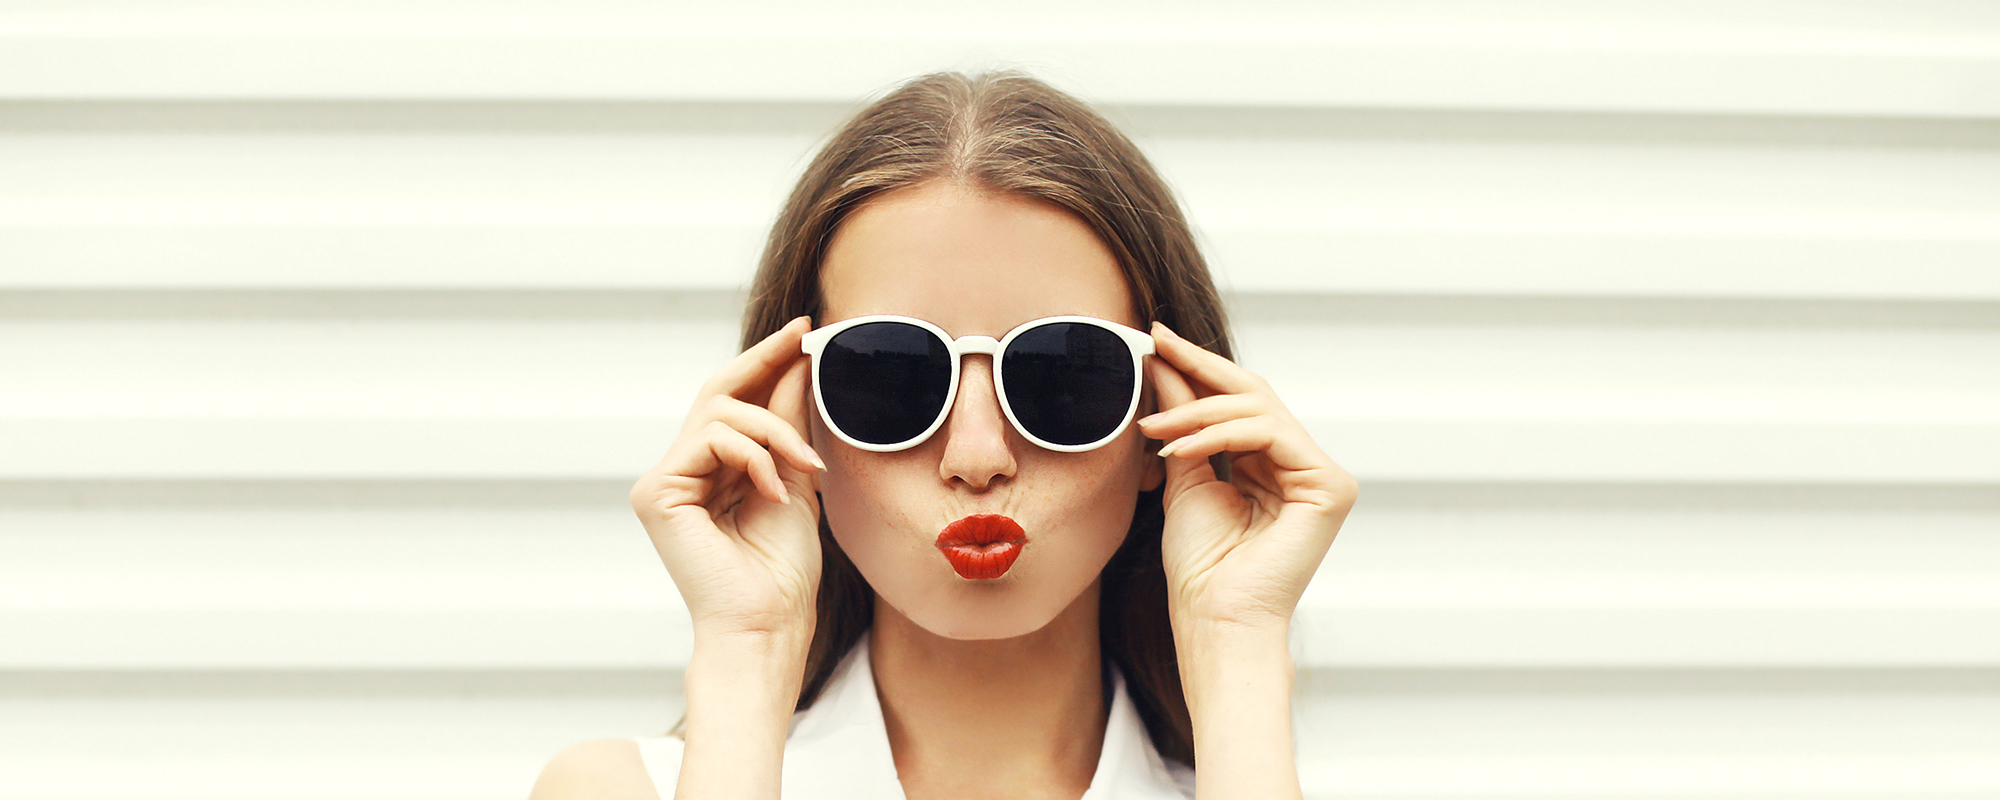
(1029, 711)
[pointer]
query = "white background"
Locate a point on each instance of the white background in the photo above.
(1664, 339)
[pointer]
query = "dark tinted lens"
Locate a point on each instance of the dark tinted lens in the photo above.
(1068, 383)
(884, 382)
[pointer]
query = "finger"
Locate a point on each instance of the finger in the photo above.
(716, 446)
(1288, 446)
(1191, 417)
(1206, 368)
(1170, 388)
(788, 404)
(1237, 434)
(1172, 391)
(753, 369)
(767, 429)
(738, 451)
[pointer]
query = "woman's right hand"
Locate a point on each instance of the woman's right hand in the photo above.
(737, 527)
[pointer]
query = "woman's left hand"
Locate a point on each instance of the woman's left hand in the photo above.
(1240, 552)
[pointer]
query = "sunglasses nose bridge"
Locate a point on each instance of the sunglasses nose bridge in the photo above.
(970, 346)
(979, 345)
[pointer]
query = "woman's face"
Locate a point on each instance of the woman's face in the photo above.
(976, 264)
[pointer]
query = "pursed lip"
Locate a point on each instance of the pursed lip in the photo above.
(982, 547)
(979, 530)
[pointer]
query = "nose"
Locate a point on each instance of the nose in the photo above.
(976, 450)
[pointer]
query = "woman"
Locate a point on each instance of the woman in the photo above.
(905, 580)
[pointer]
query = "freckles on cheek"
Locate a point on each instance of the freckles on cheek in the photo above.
(862, 507)
(1099, 490)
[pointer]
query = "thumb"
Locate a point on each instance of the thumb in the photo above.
(1172, 390)
(788, 397)
(788, 403)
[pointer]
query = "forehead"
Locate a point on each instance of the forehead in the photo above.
(970, 262)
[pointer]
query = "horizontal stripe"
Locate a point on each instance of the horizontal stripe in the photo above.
(659, 57)
(1427, 258)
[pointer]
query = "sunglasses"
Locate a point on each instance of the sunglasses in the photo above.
(886, 383)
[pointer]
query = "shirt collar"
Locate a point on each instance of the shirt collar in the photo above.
(841, 744)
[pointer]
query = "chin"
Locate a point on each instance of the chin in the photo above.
(971, 628)
(1004, 608)
(985, 630)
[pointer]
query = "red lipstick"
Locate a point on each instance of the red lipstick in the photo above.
(982, 546)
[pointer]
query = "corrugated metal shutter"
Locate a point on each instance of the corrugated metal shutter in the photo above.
(1661, 336)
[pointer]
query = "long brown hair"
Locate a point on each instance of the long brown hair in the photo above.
(1008, 133)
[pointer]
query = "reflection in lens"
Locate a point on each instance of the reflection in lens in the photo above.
(1069, 383)
(884, 382)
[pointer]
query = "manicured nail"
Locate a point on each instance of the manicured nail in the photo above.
(1149, 419)
(1169, 449)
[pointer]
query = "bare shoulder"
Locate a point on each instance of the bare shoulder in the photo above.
(601, 769)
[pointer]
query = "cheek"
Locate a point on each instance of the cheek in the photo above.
(1101, 496)
(867, 498)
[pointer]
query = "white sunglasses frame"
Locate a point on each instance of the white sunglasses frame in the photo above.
(1138, 342)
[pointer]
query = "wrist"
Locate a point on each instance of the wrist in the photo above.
(776, 641)
(1238, 681)
(1210, 635)
(761, 654)
(769, 636)
(753, 674)
(741, 690)
(1220, 657)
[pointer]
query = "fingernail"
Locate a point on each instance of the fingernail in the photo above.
(1169, 449)
(815, 459)
(1149, 419)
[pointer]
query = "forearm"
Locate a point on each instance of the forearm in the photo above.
(741, 690)
(1239, 690)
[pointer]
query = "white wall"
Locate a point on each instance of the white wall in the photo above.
(1661, 336)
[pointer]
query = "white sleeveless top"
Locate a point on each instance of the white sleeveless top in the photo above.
(839, 748)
